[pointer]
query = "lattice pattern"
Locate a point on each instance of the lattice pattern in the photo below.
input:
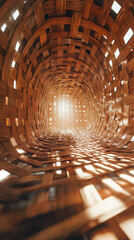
(68, 187)
(83, 49)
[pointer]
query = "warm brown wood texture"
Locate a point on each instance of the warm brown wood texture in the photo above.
(55, 182)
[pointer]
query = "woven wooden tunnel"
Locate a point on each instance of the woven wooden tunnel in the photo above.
(66, 167)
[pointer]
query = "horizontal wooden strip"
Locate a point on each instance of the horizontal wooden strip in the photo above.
(57, 21)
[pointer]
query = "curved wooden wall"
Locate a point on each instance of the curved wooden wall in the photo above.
(64, 46)
(74, 53)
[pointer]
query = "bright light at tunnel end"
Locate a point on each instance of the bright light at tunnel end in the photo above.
(63, 106)
(66, 113)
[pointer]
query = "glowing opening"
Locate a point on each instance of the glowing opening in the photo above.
(117, 53)
(14, 84)
(3, 175)
(3, 27)
(104, 36)
(20, 150)
(128, 35)
(58, 172)
(132, 139)
(13, 63)
(111, 63)
(106, 54)
(122, 82)
(58, 164)
(115, 89)
(17, 46)
(123, 137)
(116, 7)
(16, 14)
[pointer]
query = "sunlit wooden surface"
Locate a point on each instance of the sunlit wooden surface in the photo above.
(66, 119)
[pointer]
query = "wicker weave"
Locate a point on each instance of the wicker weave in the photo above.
(75, 184)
